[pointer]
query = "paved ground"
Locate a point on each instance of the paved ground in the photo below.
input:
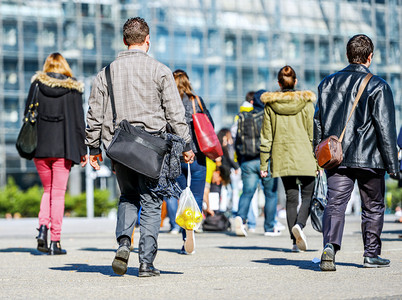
(224, 266)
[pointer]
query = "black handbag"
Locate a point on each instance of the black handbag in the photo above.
(217, 222)
(135, 148)
(27, 140)
(319, 202)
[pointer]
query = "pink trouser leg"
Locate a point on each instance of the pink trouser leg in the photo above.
(53, 173)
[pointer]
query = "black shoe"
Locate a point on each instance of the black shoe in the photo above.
(42, 239)
(148, 270)
(120, 261)
(375, 262)
(328, 258)
(55, 249)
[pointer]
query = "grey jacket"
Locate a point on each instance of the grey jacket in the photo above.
(145, 95)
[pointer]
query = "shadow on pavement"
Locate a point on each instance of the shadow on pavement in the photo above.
(301, 264)
(105, 270)
(261, 248)
(32, 251)
(392, 231)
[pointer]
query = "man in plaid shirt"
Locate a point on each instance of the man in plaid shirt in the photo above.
(145, 95)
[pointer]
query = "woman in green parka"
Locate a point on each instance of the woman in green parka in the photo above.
(286, 140)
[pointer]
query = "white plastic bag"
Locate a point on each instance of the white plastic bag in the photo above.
(188, 215)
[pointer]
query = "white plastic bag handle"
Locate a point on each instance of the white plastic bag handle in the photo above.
(188, 175)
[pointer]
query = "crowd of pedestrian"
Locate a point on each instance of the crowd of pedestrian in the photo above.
(273, 138)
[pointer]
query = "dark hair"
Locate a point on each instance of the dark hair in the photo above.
(250, 96)
(287, 78)
(183, 83)
(359, 48)
(135, 30)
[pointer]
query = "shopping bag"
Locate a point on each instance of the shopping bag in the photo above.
(319, 202)
(188, 215)
(205, 133)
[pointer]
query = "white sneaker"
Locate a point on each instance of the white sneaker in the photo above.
(275, 232)
(251, 230)
(174, 231)
(301, 240)
(280, 226)
(189, 243)
(295, 248)
(240, 229)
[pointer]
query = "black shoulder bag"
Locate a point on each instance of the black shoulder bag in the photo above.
(27, 140)
(134, 147)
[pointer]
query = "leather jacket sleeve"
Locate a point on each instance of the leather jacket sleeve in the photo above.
(383, 114)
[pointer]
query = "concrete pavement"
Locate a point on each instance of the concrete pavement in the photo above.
(223, 267)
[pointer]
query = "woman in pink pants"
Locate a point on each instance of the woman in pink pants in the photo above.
(61, 136)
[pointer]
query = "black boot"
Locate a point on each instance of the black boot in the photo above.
(120, 261)
(42, 239)
(55, 249)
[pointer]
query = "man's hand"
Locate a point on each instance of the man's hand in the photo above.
(84, 160)
(264, 174)
(93, 161)
(189, 156)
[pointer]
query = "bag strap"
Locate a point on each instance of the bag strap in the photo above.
(188, 175)
(359, 94)
(199, 104)
(111, 95)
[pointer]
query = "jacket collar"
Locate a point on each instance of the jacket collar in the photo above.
(130, 53)
(356, 68)
(55, 80)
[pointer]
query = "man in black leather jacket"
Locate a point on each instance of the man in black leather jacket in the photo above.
(369, 149)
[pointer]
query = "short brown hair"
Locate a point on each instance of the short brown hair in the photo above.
(56, 63)
(135, 30)
(359, 48)
(287, 78)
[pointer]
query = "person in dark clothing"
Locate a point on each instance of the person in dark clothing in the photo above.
(198, 168)
(369, 150)
(61, 137)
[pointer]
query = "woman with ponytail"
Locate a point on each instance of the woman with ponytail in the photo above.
(286, 140)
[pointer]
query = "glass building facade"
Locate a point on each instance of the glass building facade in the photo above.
(228, 47)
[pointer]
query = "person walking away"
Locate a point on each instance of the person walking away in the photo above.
(145, 95)
(60, 142)
(369, 149)
(235, 176)
(247, 144)
(287, 142)
(198, 169)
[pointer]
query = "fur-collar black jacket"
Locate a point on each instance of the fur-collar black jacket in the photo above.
(61, 125)
(370, 137)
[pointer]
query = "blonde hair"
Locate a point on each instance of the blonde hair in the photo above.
(183, 83)
(56, 63)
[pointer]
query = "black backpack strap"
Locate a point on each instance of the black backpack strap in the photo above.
(111, 95)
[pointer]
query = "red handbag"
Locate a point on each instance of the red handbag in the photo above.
(205, 133)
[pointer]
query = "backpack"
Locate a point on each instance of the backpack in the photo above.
(217, 222)
(248, 133)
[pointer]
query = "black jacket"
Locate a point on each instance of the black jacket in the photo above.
(61, 125)
(370, 137)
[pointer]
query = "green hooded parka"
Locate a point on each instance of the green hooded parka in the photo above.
(287, 133)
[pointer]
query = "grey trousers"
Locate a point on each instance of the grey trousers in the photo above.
(136, 194)
(372, 188)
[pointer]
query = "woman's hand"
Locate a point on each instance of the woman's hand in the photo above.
(264, 174)
(84, 160)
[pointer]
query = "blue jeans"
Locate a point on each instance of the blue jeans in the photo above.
(250, 175)
(197, 186)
